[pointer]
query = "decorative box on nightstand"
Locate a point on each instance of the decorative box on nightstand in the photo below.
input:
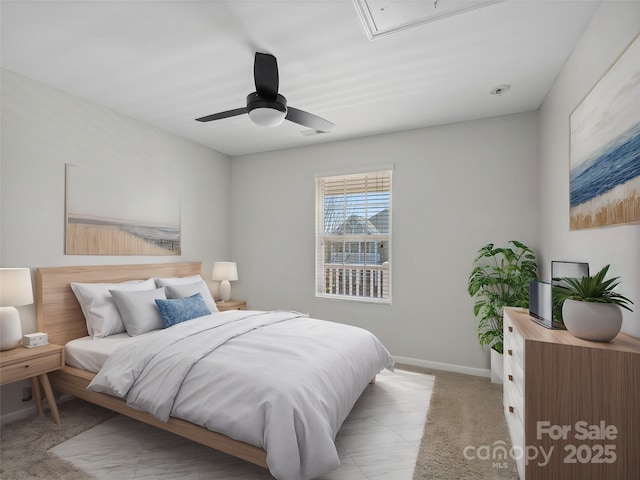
(22, 363)
(231, 305)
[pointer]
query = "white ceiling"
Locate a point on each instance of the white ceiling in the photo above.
(168, 62)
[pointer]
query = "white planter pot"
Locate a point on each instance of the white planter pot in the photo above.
(497, 367)
(598, 322)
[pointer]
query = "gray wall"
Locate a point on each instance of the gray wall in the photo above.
(455, 188)
(612, 29)
(42, 129)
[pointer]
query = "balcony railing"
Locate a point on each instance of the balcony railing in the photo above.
(353, 258)
(370, 281)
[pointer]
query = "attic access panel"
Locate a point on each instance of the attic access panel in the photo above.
(384, 17)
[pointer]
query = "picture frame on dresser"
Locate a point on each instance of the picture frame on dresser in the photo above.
(544, 308)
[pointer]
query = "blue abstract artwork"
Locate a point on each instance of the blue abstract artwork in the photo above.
(605, 148)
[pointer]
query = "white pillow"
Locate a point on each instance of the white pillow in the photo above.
(100, 313)
(138, 310)
(165, 282)
(187, 290)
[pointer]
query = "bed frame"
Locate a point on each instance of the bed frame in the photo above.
(60, 316)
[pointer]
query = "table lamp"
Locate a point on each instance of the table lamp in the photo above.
(15, 290)
(225, 272)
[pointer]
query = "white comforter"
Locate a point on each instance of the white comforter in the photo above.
(276, 380)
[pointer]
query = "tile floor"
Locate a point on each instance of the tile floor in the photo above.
(379, 440)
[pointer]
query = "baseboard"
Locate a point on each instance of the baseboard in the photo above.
(448, 367)
(17, 415)
(29, 411)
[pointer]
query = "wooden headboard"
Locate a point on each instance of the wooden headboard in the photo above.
(58, 311)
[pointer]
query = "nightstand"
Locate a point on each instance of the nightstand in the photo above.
(34, 363)
(231, 305)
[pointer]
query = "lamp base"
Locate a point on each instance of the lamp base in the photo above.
(10, 328)
(225, 290)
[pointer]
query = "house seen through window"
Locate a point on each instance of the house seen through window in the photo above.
(353, 236)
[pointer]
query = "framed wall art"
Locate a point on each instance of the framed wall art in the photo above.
(113, 212)
(605, 148)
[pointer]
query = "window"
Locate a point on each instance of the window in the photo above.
(353, 237)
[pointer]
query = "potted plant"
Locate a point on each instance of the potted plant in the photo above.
(500, 278)
(591, 309)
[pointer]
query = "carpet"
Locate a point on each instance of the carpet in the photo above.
(24, 444)
(465, 411)
(465, 423)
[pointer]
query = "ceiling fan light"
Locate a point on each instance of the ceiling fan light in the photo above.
(267, 116)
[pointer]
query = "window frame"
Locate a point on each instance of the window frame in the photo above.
(363, 277)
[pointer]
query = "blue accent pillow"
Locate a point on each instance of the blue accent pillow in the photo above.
(179, 310)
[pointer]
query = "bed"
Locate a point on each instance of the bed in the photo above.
(59, 314)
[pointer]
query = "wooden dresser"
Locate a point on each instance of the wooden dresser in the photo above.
(572, 404)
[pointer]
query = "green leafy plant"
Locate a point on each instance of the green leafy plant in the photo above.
(589, 289)
(500, 278)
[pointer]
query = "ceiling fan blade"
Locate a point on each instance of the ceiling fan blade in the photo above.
(227, 114)
(265, 74)
(308, 120)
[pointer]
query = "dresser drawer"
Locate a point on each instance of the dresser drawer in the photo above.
(513, 400)
(516, 432)
(513, 342)
(31, 367)
(513, 389)
(514, 373)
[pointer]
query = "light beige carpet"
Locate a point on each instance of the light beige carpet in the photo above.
(464, 411)
(465, 414)
(24, 444)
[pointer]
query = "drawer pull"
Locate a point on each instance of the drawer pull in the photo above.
(510, 328)
(510, 409)
(511, 377)
(510, 352)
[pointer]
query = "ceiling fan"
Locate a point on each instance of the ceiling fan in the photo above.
(266, 107)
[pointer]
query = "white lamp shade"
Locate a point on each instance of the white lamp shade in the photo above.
(225, 271)
(15, 287)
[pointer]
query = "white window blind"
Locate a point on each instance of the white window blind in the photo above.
(353, 237)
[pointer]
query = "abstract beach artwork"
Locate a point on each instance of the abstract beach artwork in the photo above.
(112, 212)
(605, 148)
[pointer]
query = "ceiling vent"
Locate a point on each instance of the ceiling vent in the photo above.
(311, 133)
(381, 18)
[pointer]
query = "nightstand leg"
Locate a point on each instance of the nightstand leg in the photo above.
(37, 393)
(44, 379)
